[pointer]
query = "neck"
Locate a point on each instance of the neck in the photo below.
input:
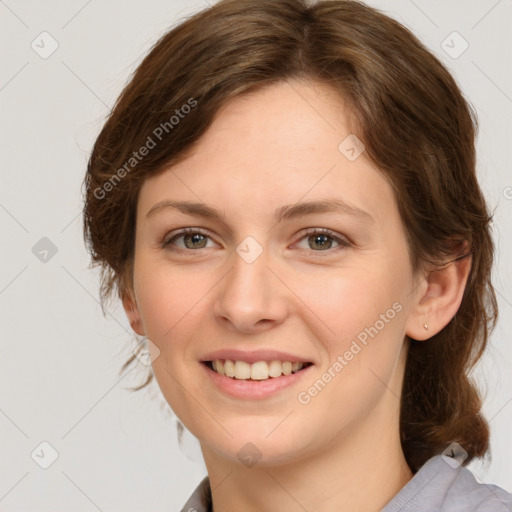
(358, 470)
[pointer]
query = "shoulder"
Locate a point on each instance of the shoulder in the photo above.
(437, 487)
(467, 494)
(441, 486)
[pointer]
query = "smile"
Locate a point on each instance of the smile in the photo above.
(259, 370)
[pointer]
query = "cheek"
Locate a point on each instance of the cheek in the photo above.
(173, 307)
(351, 303)
(338, 306)
(361, 321)
(166, 296)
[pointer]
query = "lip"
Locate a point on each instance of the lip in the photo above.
(253, 356)
(254, 389)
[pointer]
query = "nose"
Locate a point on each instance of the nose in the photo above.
(251, 299)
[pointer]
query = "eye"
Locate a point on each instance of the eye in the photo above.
(317, 239)
(193, 238)
(321, 239)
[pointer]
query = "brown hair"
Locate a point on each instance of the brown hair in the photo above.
(416, 127)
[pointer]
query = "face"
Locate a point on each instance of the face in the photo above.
(267, 280)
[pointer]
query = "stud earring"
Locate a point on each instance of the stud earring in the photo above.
(425, 325)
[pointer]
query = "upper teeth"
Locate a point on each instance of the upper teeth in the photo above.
(260, 370)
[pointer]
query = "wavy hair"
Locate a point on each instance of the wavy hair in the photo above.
(417, 128)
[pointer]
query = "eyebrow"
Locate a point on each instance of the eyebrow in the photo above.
(286, 212)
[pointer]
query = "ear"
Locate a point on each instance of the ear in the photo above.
(439, 298)
(132, 312)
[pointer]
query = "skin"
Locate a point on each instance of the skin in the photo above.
(340, 451)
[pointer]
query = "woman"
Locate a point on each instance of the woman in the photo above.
(285, 200)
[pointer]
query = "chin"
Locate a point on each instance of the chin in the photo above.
(254, 452)
(252, 444)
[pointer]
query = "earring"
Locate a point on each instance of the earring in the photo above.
(425, 325)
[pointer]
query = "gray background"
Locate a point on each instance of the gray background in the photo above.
(118, 451)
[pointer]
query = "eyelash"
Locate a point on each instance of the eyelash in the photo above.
(343, 243)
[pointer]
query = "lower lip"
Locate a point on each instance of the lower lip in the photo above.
(254, 389)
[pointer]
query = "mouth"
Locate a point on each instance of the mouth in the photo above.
(257, 371)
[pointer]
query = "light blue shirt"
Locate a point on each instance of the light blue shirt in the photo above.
(436, 487)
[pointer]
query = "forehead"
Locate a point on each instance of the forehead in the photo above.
(276, 145)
